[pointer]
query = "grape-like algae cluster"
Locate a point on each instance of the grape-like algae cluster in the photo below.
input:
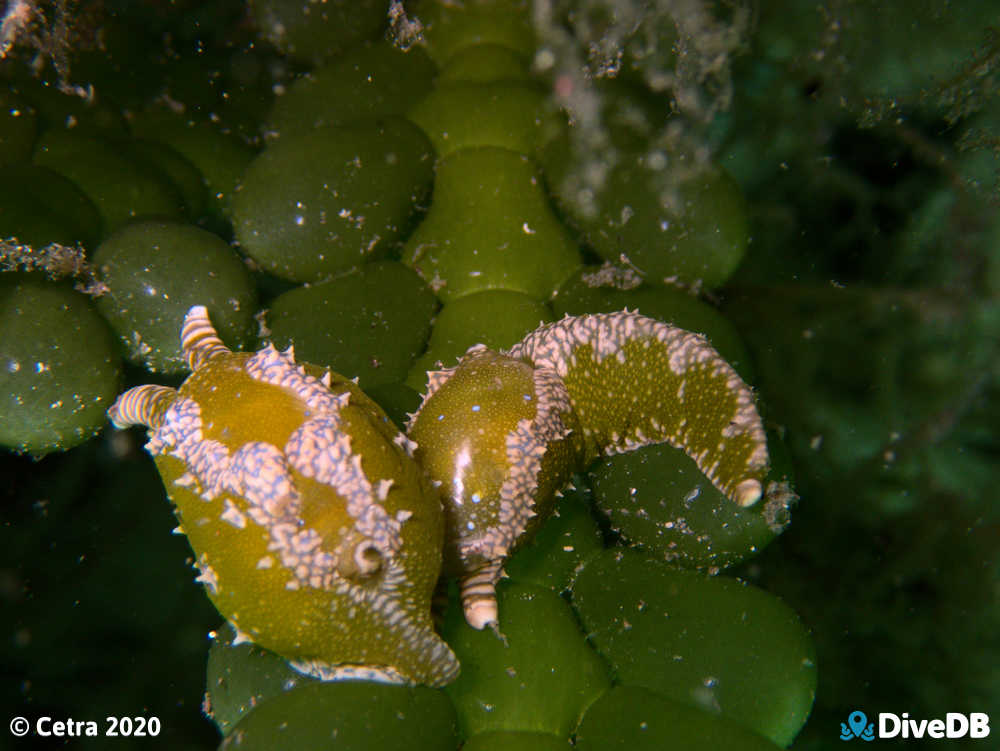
(553, 444)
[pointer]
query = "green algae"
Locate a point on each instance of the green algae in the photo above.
(368, 324)
(709, 642)
(155, 271)
(59, 368)
(537, 675)
(311, 206)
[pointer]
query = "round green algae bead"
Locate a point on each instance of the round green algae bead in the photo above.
(370, 323)
(495, 318)
(349, 715)
(121, 190)
(509, 114)
(179, 169)
(155, 272)
(594, 290)
(373, 80)
(490, 226)
(39, 206)
(637, 719)
(220, 157)
(714, 643)
(450, 28)
(59, 368)
(538, 675)
(561, 546)
(240, 676)
(483, 63)
(705, 243)
(317, 204)
(657, 498)
(516, 740)
(695, 232)
(315, 29)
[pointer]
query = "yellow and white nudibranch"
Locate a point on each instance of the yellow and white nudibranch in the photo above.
(319, 529)
(315, 533)
(501, 433)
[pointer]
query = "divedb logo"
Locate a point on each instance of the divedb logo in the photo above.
(890, 725)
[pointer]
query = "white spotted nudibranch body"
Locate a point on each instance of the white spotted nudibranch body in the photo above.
(315, 532)
(500, 433)
(501, 438)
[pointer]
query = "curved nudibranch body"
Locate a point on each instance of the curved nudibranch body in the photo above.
(635, 381)
(500, 433)
(314, 530)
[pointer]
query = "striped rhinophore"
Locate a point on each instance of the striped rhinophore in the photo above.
(199, 339)
(141, 405)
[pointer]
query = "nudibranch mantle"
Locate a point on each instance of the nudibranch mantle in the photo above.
(501, 432)
(314, 531)
(636, 381)
(497, 433)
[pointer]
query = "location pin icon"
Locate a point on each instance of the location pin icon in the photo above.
(857, 721)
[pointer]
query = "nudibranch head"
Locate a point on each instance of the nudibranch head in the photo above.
(314, 530)
(498, 435)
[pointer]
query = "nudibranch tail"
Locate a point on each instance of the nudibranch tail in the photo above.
(142, 405)
(199, 339)
(635, 381)
(479, 596)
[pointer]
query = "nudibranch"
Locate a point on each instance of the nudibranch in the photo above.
(315, 532)
(501, 432)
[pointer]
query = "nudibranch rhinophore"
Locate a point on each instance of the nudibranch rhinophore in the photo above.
(315, 532)
(501, 432)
